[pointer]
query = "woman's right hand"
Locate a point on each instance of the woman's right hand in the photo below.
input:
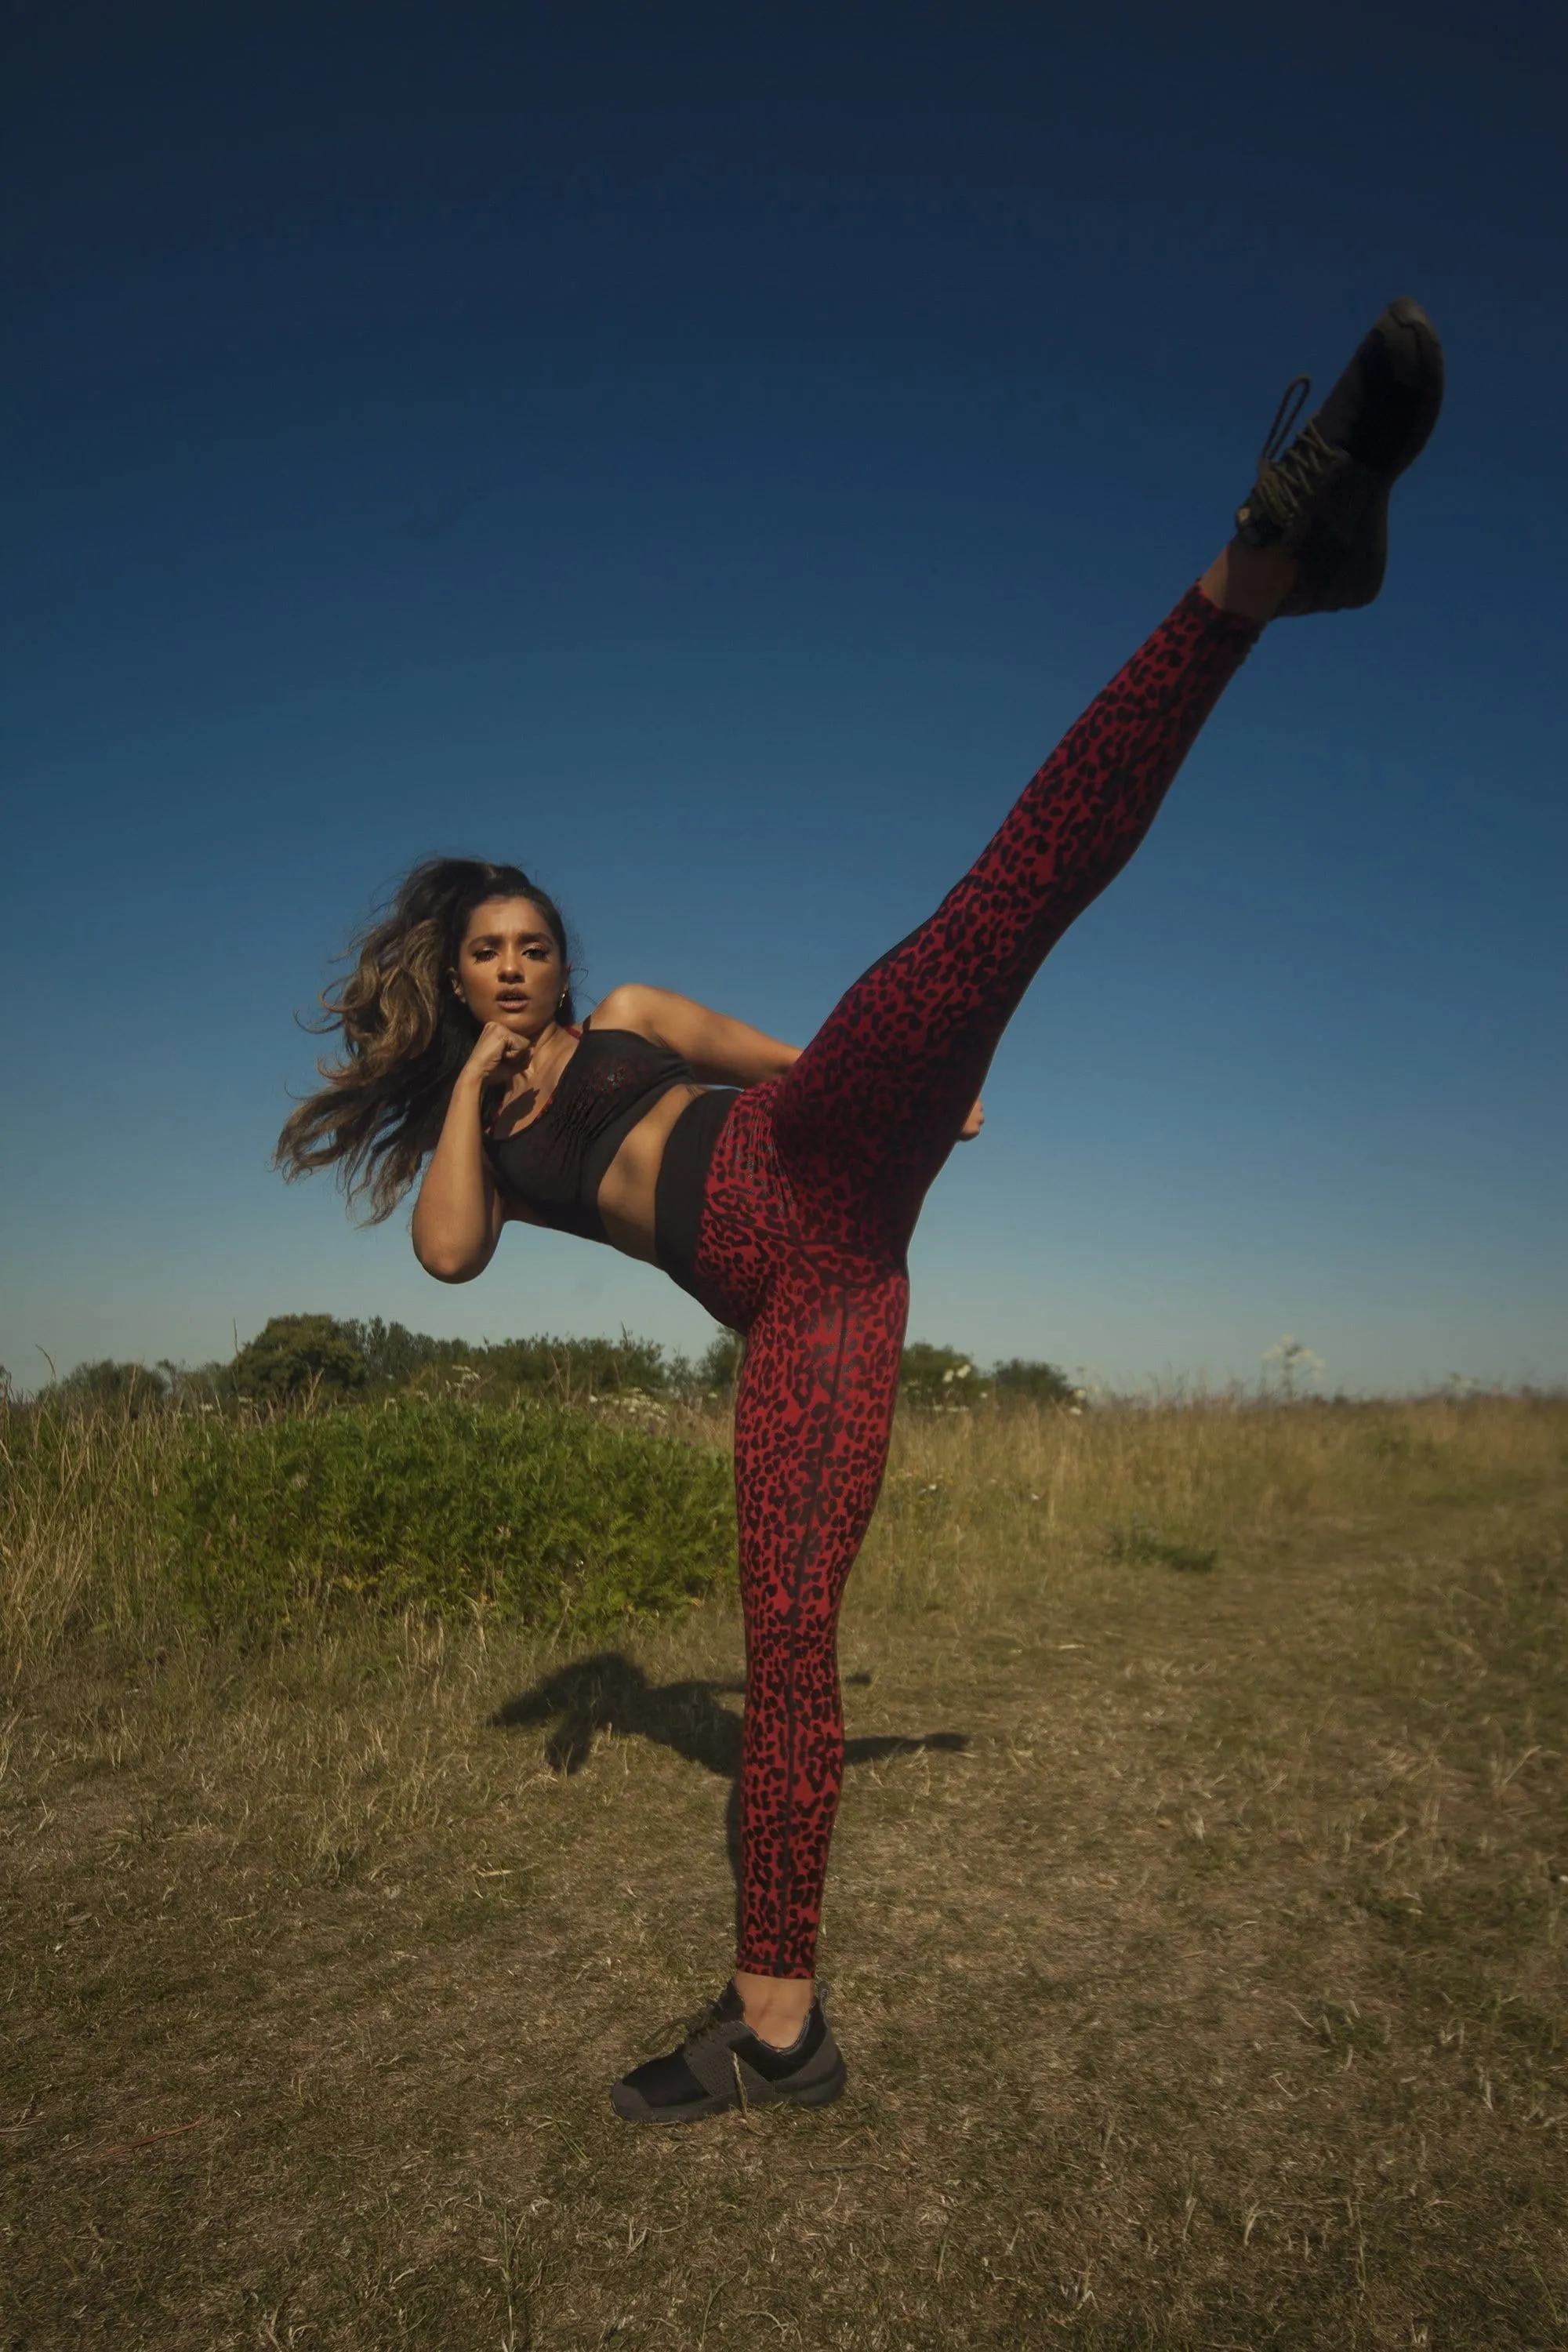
(460, 1213)
(498, 1052)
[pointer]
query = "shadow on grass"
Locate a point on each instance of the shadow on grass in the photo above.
(611, 1692)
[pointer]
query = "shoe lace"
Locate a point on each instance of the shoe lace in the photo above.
(1293, 401)
(1285, 482)
(686, 2029)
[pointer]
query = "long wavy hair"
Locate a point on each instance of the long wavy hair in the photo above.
(405, 1034)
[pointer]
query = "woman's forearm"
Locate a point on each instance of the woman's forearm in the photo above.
(457, 1217)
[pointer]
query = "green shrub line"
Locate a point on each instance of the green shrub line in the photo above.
(538, 1513)
(535, 1511)
(308, 1359)
(131, 1518)
(332, 1462)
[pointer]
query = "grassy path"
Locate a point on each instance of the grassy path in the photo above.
(1194, 1939)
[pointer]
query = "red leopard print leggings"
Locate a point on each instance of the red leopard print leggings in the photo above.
(812, 1196)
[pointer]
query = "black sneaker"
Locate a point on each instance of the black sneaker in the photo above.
(1325, 500)
(720, 2063)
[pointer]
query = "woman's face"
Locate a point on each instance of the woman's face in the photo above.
(508, 967)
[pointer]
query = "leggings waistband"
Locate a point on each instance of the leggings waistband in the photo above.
(682, 1186)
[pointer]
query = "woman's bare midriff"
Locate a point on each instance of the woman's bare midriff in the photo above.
(626, 1193)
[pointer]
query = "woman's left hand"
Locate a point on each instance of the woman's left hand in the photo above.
(973, 1123)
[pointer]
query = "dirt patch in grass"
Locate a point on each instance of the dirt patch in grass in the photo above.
(1194, 1941)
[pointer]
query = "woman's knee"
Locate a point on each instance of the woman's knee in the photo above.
(786, 1643)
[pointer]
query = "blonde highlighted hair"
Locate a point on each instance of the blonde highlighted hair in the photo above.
(405, 1033)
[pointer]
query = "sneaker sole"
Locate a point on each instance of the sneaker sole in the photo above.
(813, 2095)
(1416, 355)
(1415, 359)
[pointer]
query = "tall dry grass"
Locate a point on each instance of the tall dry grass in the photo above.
(974, 1500)
(77, 1538)
(1195, 1921)
(978, 1504)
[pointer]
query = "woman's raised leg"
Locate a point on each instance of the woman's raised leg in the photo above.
(874, 1105)
(871, 1109)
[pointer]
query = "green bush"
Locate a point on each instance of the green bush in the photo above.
(568, 1371)
(930, 1375)
(111, 1387)
(535, 1511)
(1023, 1377)
(718, 1368)
(297, 1356)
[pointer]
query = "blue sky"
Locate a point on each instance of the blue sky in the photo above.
(709, 455)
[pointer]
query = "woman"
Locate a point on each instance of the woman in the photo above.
(781, 1187)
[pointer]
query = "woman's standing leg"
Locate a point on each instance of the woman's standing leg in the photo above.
(811, 1423)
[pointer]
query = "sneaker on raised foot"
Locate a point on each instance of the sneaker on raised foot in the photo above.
(720, 2063)
(1324, 500)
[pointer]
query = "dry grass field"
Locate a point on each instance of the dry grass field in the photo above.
(1194, 1933)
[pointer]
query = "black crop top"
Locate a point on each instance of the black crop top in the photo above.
(556, 1163)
